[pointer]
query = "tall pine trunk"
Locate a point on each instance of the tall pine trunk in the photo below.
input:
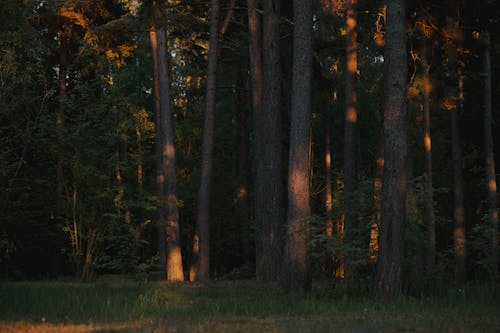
(350, 138)
(297, 267)
(429, 197)
(490, 157)
(175, 271)
(268, 165)
(455, 91)
(388, 283)
(257, 86)
(160, 179)
(200, 266)
(170, 247)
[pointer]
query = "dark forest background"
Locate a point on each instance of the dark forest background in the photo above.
(79, 193)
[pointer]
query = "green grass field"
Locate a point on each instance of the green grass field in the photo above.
(234, 307)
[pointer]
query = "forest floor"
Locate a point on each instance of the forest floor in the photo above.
(239, 306)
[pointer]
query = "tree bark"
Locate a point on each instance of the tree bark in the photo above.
(429, 197)
(242, 207)
(268, 169)
(350, 137)
(490, 157)
(200, 267)
(160, 179)
(175, 271)
(166, 177)
(297, 271)
(328, 165)
(388, 283)
(455, 88)
(256, 72)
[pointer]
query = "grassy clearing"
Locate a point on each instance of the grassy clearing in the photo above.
(234, 307)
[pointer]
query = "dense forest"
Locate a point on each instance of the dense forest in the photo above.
(286, 141)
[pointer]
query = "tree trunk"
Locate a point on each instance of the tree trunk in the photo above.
(429, 197)
(377, 200)
(200, 266)
(254, 31)
(297, 271)
(172, 229)
(388, 282)
(170, 247)
(328, 164)
(242, 206)
(350, 137)
(160, 179)
(455, 88)
(490, 158)
(268, 169)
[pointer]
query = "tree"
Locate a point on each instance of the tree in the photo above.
(455, 89)
(200, 266)
(297, 267)
(490, 157)
(388, 281)
(350, 134)
(267, 144)
(429, 198)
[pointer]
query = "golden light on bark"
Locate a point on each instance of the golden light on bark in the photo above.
(328, 160)
(427, 142)
(380, 163)
(241, 194)
(492, 185)
(140, 175)
(373, 250)
(351, 115)
(459, 243)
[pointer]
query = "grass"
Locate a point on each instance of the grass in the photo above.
(235, 307)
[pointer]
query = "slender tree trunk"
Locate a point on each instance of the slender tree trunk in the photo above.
(242, 161)
(388, 282)
(169, 246)
(455, 87)
(256, 71)
(350, 136)
(297, 271)
(377, 201)
(328, 164)
(429, 197)
(172, 228)
(63, 88)
(490, 157)
(200, 267)
(267, 133)
(160, 179)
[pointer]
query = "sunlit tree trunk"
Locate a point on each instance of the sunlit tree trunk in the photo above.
(388, 282)
(172, 229)
(169, 246)
(350, 136)
(429, 197)
(297, 267)
(268, 168)
(490, 157)
(160, 179)
(200, 266)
